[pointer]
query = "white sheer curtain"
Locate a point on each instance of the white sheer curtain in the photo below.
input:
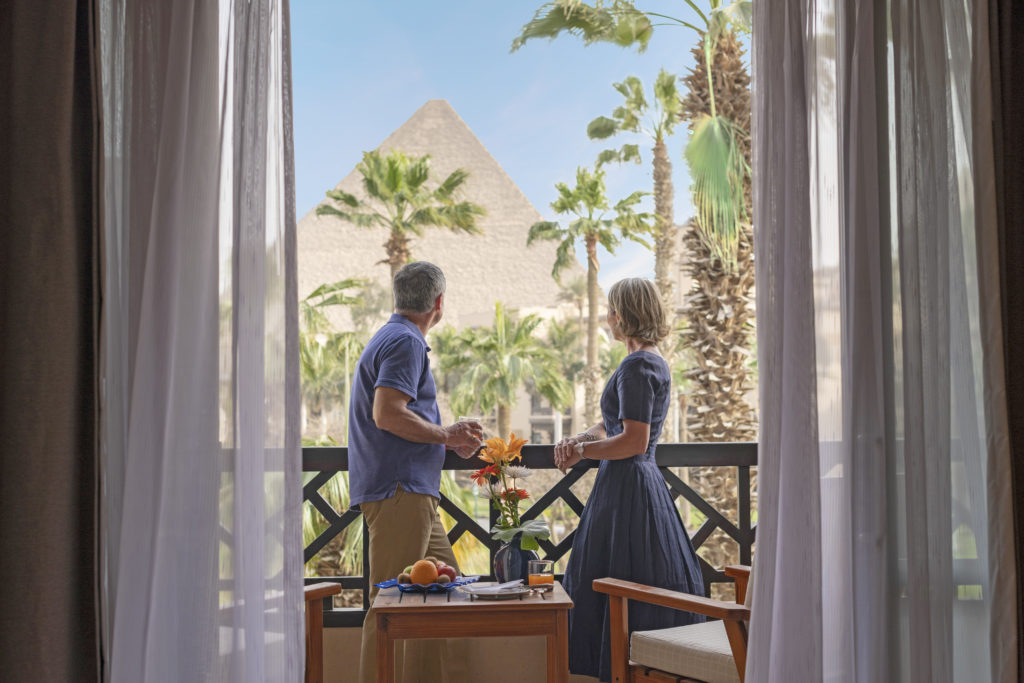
(884, 550)
(201, 491)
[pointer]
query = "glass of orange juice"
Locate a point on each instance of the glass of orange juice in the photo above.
(541, 574)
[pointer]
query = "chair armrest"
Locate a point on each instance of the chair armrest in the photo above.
(716, 609)
(318, 591)
(737, 571)
(740, 573)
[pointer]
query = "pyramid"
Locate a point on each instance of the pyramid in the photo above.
(480, 269)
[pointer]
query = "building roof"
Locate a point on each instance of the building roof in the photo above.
(480, 269)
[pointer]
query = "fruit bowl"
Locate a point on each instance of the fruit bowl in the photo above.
(428, 588)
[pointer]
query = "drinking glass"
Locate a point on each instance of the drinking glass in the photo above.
(479, 419)
(541, 574)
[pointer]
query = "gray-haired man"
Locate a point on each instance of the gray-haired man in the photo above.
(396, 450)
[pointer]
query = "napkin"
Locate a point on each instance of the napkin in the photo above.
(491, 590)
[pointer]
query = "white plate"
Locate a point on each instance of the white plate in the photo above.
(503, 595)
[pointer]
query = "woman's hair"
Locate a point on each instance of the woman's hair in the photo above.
(637, 304)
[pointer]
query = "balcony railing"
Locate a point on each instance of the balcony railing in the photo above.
(327, 462)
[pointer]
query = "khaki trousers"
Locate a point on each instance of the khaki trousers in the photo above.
(403, 529)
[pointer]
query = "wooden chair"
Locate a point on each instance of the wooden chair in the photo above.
(315, 594)
(698, 652)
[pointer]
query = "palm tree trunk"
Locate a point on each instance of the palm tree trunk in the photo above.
(665, 265)
(397, 249)
(504, 420)
(665, 235)
(593, 371)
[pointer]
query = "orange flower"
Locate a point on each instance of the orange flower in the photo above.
(498, 451)
(515, 494)
(480, 476)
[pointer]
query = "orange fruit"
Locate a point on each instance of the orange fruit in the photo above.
(423, 572)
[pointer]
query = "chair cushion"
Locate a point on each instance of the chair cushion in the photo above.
(698, 651)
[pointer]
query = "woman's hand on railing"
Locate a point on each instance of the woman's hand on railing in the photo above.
(565, 453)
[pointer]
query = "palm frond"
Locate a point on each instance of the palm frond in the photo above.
(344, 197)
(670, 105)
(462, 217)
(339, 286)
(452, 184)
(545, 230)
(602, 127)
(718, 171)
(362, 220)
(620, 23)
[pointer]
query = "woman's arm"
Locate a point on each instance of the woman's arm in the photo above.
(631, 441)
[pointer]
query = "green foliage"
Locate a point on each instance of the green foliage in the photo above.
(718, 170)
(619, 22)
(566, 340)
(311, 309)
(400, 201)
(595, 216)
(327, 358)
(495, 362)
(712, 151)
(349, 543)
(612, 356)
(657, 120)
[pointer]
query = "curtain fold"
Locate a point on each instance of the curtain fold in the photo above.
(784, 646)
(202, 494)
(49, 310)
(882, 401)
(1006, 52)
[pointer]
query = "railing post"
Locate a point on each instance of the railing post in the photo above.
(743, 475)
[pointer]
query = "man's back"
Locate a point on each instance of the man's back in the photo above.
(396, 357)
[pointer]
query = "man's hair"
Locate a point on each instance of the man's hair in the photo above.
(637, 304)
(417, 286)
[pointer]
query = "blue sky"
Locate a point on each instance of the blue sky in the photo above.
(362, 68)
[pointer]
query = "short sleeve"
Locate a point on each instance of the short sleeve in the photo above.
(401, 366)
(636, 392)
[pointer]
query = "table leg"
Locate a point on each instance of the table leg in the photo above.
(385, 651)
(558, 649)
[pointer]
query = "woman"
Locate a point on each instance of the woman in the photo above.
(630, 528)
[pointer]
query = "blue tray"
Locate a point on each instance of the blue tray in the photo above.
(428, 588)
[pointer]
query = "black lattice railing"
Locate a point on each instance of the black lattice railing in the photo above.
(326, 462)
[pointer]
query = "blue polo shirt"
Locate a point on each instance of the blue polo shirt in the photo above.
(378, 460)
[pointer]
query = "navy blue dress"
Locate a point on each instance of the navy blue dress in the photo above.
(630, 528)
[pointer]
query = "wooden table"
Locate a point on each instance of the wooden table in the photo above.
(459, 617)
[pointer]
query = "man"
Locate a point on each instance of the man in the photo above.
(396, 449)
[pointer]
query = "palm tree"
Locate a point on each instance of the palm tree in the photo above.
(566, 340)
(496, 362)
(326, 357)
(575, 293)
(398, 200)
(719, 314)
(596, 222)
(657, 121)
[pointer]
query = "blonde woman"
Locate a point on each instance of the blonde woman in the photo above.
(629, 529)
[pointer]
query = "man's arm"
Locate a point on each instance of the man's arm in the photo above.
(391, 413)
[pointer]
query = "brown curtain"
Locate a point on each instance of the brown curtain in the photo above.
(48, 341)
(1006, 24)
